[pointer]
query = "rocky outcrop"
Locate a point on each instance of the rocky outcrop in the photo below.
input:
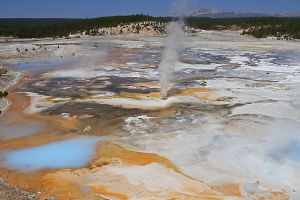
(7, 77)
(9, 192)
(3, 70)
(147, 28)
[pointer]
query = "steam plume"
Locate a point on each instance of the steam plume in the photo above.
(172, 46)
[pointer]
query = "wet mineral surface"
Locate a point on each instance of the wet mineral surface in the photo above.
(89, 122)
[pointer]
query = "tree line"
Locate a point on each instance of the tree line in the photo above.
(286, 28)
(259, 27)
(40, 28)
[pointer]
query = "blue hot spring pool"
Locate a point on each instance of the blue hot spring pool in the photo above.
(71, 153)
(40, 63)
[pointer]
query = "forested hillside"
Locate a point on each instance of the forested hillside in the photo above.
(281, 28)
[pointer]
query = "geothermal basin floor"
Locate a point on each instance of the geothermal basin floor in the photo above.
(94, 126)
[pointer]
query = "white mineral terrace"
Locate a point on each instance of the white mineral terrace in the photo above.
(88, 118)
